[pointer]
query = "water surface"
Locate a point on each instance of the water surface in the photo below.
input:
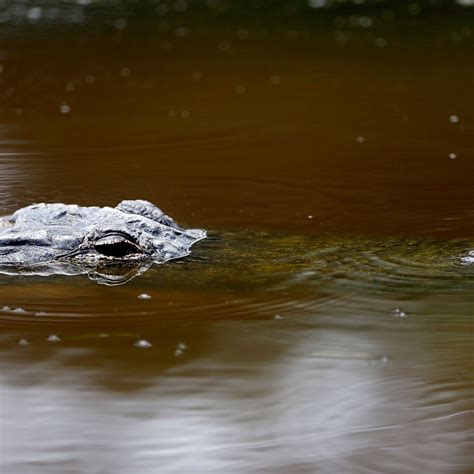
(326, 325)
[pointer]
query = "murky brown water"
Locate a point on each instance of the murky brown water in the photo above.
(333, 165)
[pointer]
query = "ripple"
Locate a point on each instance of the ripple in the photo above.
(394, 265)
(253, 276)
(189, 142)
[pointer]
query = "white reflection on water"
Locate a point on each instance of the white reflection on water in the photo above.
(346, 393)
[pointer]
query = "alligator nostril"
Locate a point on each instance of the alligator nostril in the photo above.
(116, 249)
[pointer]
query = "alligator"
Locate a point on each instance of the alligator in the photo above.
(111, 244)
(114, 245)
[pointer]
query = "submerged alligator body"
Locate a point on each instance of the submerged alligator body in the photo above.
(69, 239)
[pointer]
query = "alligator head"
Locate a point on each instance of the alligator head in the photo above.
(65, 238)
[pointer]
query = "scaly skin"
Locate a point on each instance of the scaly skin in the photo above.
(59, 238)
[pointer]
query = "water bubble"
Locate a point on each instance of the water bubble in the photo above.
(41, 313)
(318, 3)
(456, 37)
(242, 34)
(292, 35)
(181, 5)
(197, 75)
(77, 15)
(19, 311)
(163, 27)
(23, 342)
(213, 3)
(182, 32)
(399, 313)
(34, 14)
(121, 23)
(180, 348)
(278, 316)
(125, 72)
(310, 216)
(53, 338)
(6, 309)
(203, 30)
(275, 79)
(380, 42)
(144, 296)
(414, 9)
(453, 118)
(171, 113)
(224, 46)
(70, 87)
(52, 13)
(452, 156)
(240, 90)
(185, 114)
(166, 46)
(161, 9)
(360, 139)
(365, 21)
(64, 108)
(143, 344)
(377, 361)
(90, 79)
(341, 38)
(339, 22)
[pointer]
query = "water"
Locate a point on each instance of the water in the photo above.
(326, 324)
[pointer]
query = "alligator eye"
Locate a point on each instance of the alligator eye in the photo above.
(116, 246)
(116, 249)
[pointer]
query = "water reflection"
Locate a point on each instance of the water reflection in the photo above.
(111, 275)
(331, 389)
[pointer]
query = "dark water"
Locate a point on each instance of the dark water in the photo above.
(327, 325)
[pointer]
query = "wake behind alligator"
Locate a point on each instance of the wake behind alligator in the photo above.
(113, 245)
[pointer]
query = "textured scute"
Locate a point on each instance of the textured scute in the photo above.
(146, 209)
(43, 233)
